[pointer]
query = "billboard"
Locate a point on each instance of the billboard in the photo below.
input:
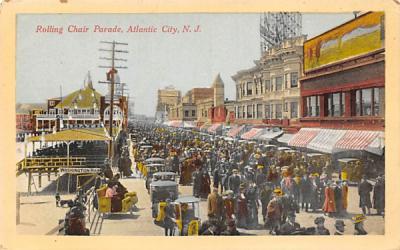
(356, 37)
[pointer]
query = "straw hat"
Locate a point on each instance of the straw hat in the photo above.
(278, 191)
(358, 218)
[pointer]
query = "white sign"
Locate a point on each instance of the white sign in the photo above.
(80, 170)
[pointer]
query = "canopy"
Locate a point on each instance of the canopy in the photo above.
(285, 138)
(87, 134)
(189, 124)
(205, 126)
(361, 140)
(214, 127)
(377, 146)
(175, 124)
(325, 140)
(234, 131)
(269, 134)
(251, 133)
(187, 199)
(303, 137)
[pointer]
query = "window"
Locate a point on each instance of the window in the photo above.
(335, 104)
(243, 112)
(369, 102)
(285, 108)
(193, 112)
(278, 83)
(250, 111)
(261, 87)
(293, 109)
(294, 78)
(239, 112)
(256, 84)
(259, 110)
(186, 113)
(243, 90)
(237, 92)
(287, 80)
(267, 111)
(278, 111)
(249, 88)
(312, 109)
(267, 85)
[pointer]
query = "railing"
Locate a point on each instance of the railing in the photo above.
(70, 116)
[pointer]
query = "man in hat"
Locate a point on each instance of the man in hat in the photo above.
(364, 191)
(242, 211)
(265, 198)
(329, 203)
(205, 184)
(339, 226)
(379, 195)
(234, 182)
(274, 212)
(359, 224)
(321, 229)
(169, 219)
(290, 226)
(214, 204)
(196, 178)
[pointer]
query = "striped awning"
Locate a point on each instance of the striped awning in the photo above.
(175, 124)
(233, 132)
(251, 133)
(189, 124)
(205, 126)
(214, 127)
(325, 140)
(303, 137)
(356, 140)
(269, 134)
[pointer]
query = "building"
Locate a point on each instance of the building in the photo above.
(201, 105)
(269, 92)
(344, 82)
(24, 114)
(82, 108)
(167, 98)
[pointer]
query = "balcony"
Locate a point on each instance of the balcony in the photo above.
(69, 117)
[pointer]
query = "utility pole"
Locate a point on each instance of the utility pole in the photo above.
(111, 80)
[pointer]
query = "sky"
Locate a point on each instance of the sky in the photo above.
(225, 44)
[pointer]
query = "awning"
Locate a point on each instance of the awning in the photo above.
(214, 127)
(359, 140)
(95, 134)
(268, 134)
(285, 138)
(175, 124)
(233, 132)
(251, 133)
(377, 146)
(325, 140)
(303, 137)
(205, 126)
(189, 124)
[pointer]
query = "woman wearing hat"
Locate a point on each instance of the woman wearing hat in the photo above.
(359, 224)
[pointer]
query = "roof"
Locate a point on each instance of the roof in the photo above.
(346, 160)
(163, 183)
(164, 173)
(187, 199)
(218, 81)
(24, 108)
(92, 134)
(83, 98)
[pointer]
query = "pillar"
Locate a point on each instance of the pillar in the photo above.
(40, 180)
(347, 104)
(322, 108)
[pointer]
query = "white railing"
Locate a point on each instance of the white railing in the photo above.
(71, 117)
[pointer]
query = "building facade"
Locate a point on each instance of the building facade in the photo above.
(348, 92)
(82, 108)
(166, 98)
(269, 92)
(200, 104)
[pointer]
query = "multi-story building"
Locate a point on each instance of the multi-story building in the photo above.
(84, 107)
(344, 82)
(200, 104)
(269, 92)
(167, 98)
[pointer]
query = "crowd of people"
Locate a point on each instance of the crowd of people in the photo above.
(239, 178)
